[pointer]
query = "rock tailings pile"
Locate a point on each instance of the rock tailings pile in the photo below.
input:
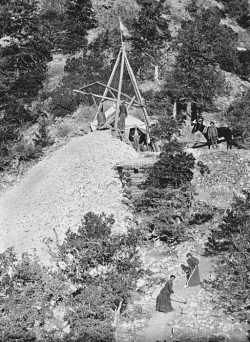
(57, 192)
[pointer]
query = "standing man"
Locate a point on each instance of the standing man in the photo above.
(122, 119)
(213, 135)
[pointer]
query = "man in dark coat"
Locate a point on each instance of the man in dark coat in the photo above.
(163, 300)
(213, 135)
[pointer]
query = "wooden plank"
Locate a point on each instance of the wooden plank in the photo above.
(100, 96)
(109, 82)
(119, 89)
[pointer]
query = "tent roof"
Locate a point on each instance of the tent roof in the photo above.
(131, 121)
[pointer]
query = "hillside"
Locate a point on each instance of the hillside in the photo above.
(91, 229)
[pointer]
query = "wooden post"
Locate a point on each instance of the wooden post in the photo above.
(131, 102)
(138, 95)
(119, 88)
(136, 89)
(109, 82)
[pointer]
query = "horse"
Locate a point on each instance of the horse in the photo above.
(223, 132)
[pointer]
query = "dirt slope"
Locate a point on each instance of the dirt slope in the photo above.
(58, 191)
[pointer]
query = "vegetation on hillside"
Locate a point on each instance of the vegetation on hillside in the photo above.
(203, 46)
(25, 50)
(238, 115)
(149, 35)
(230, 241)
(238, 10)
(95, 273)
(167, 197)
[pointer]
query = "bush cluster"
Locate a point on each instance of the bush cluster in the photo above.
(95, 273)
(167, 195)
(237, 115)
(230, 241)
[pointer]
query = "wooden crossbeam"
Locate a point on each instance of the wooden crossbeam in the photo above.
(103, 97)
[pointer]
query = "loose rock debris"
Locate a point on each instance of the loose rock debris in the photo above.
(58, 191)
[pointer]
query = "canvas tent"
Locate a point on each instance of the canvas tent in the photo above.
(131, 122)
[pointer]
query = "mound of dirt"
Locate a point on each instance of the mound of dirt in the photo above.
(58, 191)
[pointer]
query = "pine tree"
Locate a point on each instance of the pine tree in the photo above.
(149, 32)
(24, 53)
(203, 44)
(239, 10)
(80, 18)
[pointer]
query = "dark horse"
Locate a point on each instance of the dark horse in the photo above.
(223, 132)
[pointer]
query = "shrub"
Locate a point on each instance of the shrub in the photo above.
(28, 151)
(166, 212)
(201, 213)
(174, 168)
(167, 198)
(64, 130)
(239, 10)
(203, 44)
(96, 272)
(231, 242)
(237, 115)
(64, 101)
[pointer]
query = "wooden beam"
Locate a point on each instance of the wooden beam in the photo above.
(88, 85)
(119, 88)
(137, 91)
(131, 102)
(126, 95)
(102, 97)
(109, 82)
(105, 86)
(93, 98)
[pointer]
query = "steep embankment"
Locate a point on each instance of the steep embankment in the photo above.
(58, 191)
(197, 320)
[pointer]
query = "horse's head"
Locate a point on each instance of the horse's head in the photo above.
(197, 125)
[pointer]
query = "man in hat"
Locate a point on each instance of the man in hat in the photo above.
(213, 135)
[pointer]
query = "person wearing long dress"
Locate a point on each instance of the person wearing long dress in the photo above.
(122, 119)
(136, 139)
(163, 300)
(101, 118)
(191, 270)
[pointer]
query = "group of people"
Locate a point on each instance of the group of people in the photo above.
(212, 132)
(134, 135)
(165, 297)
(103, 123)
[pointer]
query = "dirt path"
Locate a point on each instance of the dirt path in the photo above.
(59, 190)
